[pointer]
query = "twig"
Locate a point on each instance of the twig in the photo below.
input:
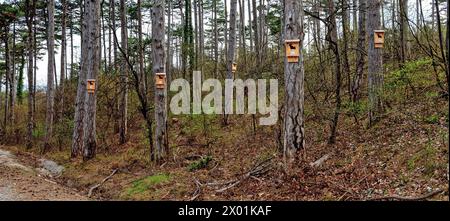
(350, 192)
(101, 183)
(198, 190)
(395, 197)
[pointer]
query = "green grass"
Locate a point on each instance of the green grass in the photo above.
(142, 185)
(432, 119)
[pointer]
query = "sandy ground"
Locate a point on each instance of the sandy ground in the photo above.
(22, 182)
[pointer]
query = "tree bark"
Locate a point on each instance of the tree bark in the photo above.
(294, 132)
(123, 106)
(62, 75)
(7, 75)
(404, 30)
(441, 43)
(50, 75)
(169, 41)
(158, 56)
(360, 52)
(375, 68)
(231, 47)
(255, 27)
(90, 67)
(216, 41)
(333, 40)
(13, 86)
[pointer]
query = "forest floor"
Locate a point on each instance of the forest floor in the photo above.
(20, 180)
(405, 155)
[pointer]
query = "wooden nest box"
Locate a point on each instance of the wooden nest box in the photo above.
(160, 80)
(378, 38)
(90, 86)
(292, 50)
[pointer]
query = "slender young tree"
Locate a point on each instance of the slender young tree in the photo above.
(360, 53)
(448, 47)
(62, 75)
(13, 87)
(169, 39)
(30, 10)
(158, 58)
(51, 74)
(123, 107)
(333, 40)
(231, 48)
(404, 30)
(294, 132)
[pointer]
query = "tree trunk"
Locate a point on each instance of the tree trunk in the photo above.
(142, 78)
(226, 30)
(231, 47)
(201, 34)
(294, 132)
(50, 75)
(448, 48)
(13, 86)
(123, 106)
(62, 75)
(110, 43)
(403, 4)
(375, 68)
(90, 67)
(360, 52)
(196, 34)
(355, 18)
(333, 40)
(249, 8)
(80, 107)
(7, 75)
(255, 28)
(441, 43)
(346, 39)
(72, 73)
(216, 41)
(169, 41)
(102, 16)
(242, 30)
(158, 56)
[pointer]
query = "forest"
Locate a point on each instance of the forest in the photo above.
(199, 100)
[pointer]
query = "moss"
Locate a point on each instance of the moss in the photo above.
(144, 184)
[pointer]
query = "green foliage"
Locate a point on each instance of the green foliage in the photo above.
(39, 131)
(355, 108)
(63, 130)
(199, 164)
(431, 94)
(432, 119)
(413, 71)
(274, 18)
(142, 185)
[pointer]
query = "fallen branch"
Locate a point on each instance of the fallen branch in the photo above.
(255, 171)
(101, 183)
(198, 190)
(395, 197)
(320, 161)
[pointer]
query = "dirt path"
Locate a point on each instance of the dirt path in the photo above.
(22, 182)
